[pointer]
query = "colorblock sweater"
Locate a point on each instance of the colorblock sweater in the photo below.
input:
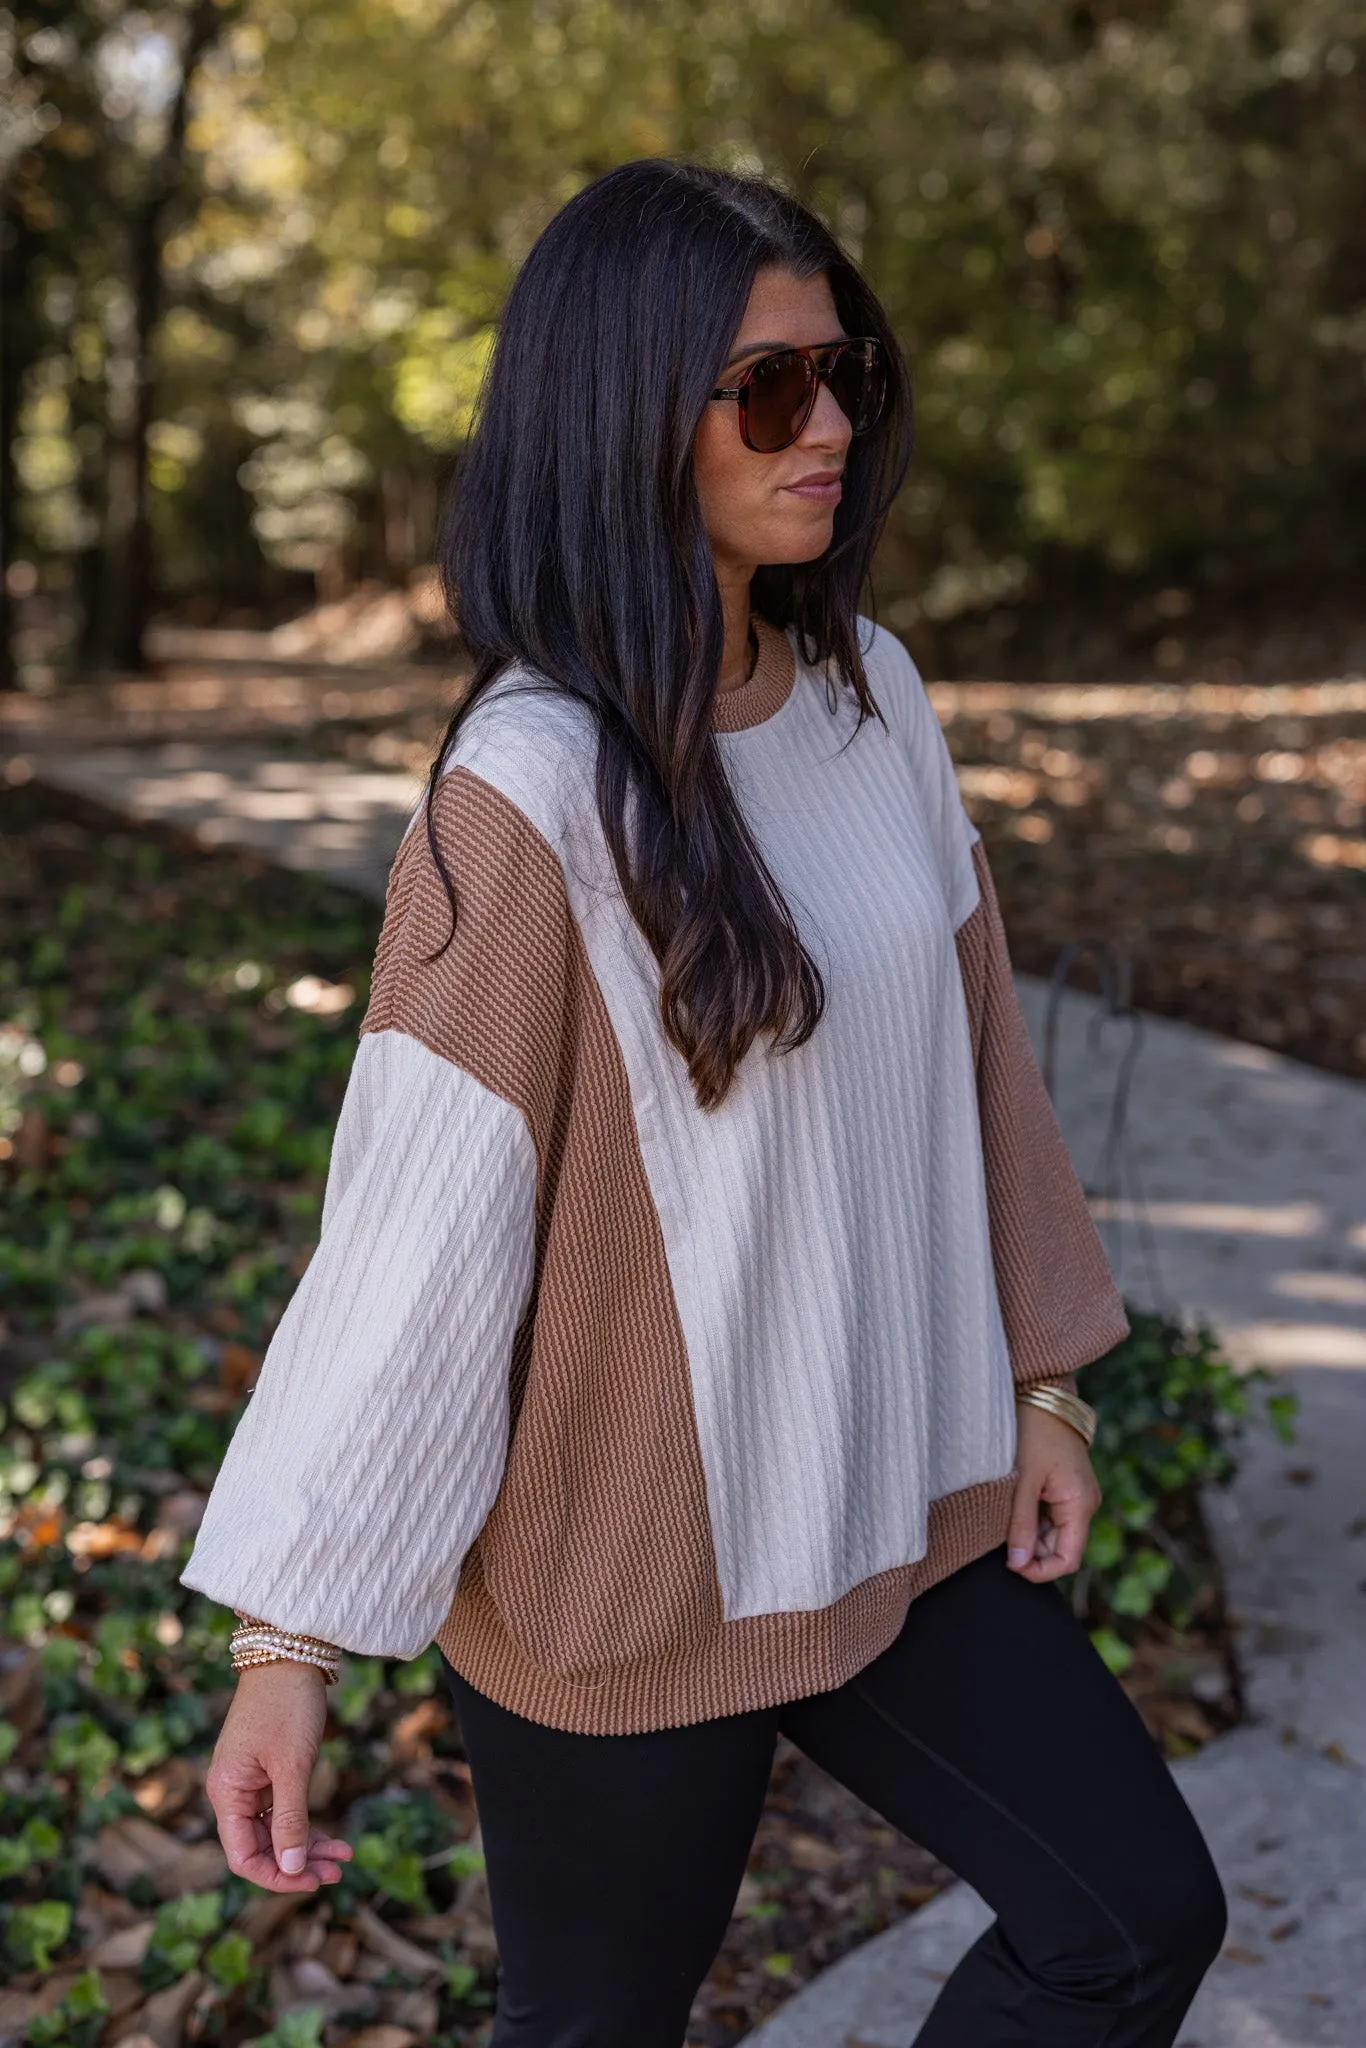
(648, 1413)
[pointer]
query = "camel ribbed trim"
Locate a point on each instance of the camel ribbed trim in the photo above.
(741, 1665)
(763, 693)
(1058, 1298)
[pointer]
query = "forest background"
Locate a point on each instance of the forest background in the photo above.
(253, 255)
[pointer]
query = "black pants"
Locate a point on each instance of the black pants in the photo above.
(990, 1732)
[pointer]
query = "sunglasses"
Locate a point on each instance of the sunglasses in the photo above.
(776, 395)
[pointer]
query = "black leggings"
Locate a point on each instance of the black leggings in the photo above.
(990, 1732)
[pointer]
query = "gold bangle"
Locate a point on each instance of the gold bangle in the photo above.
(1068, 1408)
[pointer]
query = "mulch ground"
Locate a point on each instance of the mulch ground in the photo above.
(1212, 837)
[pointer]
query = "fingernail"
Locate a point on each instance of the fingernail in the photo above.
(292, 1861)
(1018, 1556)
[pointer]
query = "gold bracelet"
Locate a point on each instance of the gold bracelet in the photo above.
(1069, 1408)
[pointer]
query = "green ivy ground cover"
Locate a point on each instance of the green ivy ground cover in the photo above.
(175, 1034)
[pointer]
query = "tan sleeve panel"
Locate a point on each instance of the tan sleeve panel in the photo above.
(598, 1548)
(1059, 1302)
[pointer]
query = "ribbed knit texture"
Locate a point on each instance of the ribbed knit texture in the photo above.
(694, 1403)
(826, 1227)
(1054, 1284)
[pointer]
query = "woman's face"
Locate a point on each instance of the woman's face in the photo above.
(773, 508)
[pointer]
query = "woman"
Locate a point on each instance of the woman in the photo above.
(688, 1347)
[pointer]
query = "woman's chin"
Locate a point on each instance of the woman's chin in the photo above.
(804, 547)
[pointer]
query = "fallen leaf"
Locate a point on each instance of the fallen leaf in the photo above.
(124, 1990)
(111, 1311)
(134, 1847)
(1236, 1954)
(164, 2015)
(410, 1736)
(918, 1894)
(38, 1526)
(182, 1512)
(417, 2010)
(322, 1785)
(123, 1950)
(21, 1694)
(238, 1367)
(96, 1541)
(809, 1852)
(264, 1916)
(339, 1952)
(313, 1979)
(309, 1984)
(100, 1913)
(382, 2036)
(16, 2010)
(53, 1988)
(403, 1955)
(164, 1791)
(435, 1927)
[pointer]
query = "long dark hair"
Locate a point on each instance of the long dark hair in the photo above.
(574, 546)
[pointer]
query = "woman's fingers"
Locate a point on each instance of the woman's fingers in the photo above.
(1022, 1541)
(258, 1781)
(330, 1846)
(1071, 1519)
(1055, 1497)
(289, 1829)
(240, 1835)
(247, 1841)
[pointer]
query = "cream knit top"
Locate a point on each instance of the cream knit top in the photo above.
(647, 1413)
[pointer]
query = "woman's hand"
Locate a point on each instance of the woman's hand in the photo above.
(1052, 1471)
(258, 1780)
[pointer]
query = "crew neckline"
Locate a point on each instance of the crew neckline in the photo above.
(765, 692)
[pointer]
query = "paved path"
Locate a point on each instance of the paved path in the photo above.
(1251, 1171)
(334, 817)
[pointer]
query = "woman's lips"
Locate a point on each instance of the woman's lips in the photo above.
(822, 487)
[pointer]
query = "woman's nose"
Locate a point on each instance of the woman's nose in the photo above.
(828, 426)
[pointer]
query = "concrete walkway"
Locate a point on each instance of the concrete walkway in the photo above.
(1251, 1173)
(336, 818)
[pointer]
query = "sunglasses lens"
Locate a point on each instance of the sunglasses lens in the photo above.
(858, 383)
(779, 401)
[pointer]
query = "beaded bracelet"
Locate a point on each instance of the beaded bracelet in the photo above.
(259, 1642)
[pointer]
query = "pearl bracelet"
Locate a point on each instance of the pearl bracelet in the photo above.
(257, 1642)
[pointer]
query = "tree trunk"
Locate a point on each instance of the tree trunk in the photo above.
(16, 252)
(130, 511)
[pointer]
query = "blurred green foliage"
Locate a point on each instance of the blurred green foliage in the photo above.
(149, 1238)
(1124, 245)
(1171, 1407)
